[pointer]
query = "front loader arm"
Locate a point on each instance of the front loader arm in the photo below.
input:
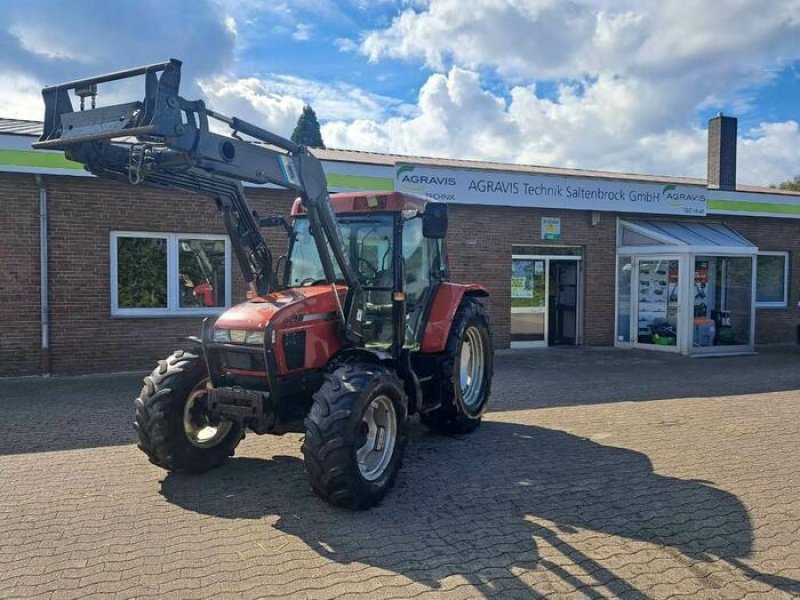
(165, 140)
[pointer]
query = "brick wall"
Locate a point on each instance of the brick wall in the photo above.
(20, 332)
(84, 337)
(481, 245)
(83, 212)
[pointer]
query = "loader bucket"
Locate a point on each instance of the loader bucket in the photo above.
(158, 114)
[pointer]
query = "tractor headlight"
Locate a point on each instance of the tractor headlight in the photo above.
(222, 336)
(255, 338)
(238, 336)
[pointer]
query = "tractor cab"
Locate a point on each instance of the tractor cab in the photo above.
(385, 241)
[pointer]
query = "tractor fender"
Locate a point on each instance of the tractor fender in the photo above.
(402, 367)
(445, 303)
(364, 354)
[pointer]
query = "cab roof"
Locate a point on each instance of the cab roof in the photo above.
(361, 202)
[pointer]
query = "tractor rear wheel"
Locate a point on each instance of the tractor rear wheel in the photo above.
(356, 433)
(172, 422)
(466, 372)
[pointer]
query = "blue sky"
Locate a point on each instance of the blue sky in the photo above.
(623, 85)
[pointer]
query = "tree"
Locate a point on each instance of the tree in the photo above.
(307, 131)
(792, 185)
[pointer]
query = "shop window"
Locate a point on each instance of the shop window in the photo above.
(772, 271)
(625, 267)
(201, 273)
(722, 301)
(141, 273)
(156, 274)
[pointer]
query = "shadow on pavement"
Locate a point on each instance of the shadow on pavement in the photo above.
(66, 413)
(483, 520)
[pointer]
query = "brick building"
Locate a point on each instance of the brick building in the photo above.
(570, 257)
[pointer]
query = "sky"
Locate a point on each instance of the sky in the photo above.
(619, 85)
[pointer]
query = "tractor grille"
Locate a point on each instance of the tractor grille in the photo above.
(294, 349)
(243, 367)
(234, 359)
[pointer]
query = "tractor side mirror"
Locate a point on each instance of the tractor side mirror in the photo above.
(434, 221)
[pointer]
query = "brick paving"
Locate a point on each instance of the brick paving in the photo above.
(597, 474)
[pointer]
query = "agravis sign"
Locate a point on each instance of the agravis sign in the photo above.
(499, 188)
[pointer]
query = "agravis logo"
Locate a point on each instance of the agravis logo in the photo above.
(675, 198)
(406, 175)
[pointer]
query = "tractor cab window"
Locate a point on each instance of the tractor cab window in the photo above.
(367, 241)
(424, 265)
(304, 267)
(367, 244)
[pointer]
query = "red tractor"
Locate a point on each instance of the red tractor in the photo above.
(356, 330)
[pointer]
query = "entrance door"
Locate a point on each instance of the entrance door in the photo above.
(528, 301)
(563, 302)
(657, 290)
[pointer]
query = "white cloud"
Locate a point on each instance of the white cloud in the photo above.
(611, 84)
(631, 77)
(603, 127)
(42, 46)
(539, 39)
(21, 97)
(230, 25)
(302, 32)
(43, 43)
(275, 101)
(770, 153)
(248, 99)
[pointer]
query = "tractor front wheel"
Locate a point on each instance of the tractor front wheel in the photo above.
(466, 372)
(356, 433)
(174, 428)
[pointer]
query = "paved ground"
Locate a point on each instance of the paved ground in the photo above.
(598, 474)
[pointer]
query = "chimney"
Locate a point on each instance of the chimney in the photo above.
(722, 153)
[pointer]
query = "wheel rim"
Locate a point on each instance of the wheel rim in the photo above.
(378, 437)
(196, 425)
(471, 369)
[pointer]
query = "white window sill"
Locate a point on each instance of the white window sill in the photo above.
(164, 314)
(770, 305)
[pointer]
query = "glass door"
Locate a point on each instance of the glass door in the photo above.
(657, 290)
(528, 301)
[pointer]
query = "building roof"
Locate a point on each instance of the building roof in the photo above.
(374, 158)
(20, 127)
(668, 233)
(34, 128)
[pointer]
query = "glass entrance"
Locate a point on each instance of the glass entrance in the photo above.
(528, 301)
(562, 300)
(658, 296)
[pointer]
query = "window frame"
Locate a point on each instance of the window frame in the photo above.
(770, 304)
(173, 308)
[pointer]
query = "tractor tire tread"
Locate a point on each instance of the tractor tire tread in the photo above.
(447, 418)
(330, 434)
(159, 410)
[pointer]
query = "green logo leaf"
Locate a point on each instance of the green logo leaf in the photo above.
(405, 169)
(668, 188)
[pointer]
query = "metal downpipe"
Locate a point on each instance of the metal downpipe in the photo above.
(44, 295)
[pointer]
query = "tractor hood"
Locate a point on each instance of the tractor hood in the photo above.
(282, 307)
